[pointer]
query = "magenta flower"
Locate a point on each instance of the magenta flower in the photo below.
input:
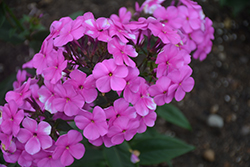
(149, 6)
(93, 124)
(98, 28)
(109, 76)
(148, 120)
(73, 30)
(169, 16)
(47, 95)
(182, 82)
(121, 51)
(69, 100)
(164, 32)
(44, 158)
(21, 77)
(124, 129)
(20, 94)
(143, 102)
(35, 136)
(8, 146)
(40, 59)
(11, 118)
(84, 85)
(160, 91)
(68, 147)
(168, 59)
(120, 109)
(190, 19)
(56, 65)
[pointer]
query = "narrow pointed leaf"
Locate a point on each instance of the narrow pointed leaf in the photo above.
(172, 114)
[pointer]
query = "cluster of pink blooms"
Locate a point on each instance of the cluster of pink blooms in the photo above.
(106, 76)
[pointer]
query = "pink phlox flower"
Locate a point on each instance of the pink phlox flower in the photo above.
(35, 136)
(93, 124)
(21, 77)
(56, 26)
(203, 49)
(44, 158)
(72, 30)
(119, 110)
(84, 85)
(164, 32)
(11, 118)
(25, 159)
(47, 95)
(8, 146)
(109, 76)
(98, 28)
(12, 157)
(148, 120)
(133, 83)
(149, 6)
(56, 65)
(160, 91)
(19, 94)
(143, 102)
(68, 147)
(181, 82)
(209, 30)
(191, 4)
(188, 44)
(121, 52)
(169, 16)
(205, 46)
(124, 129)
(69, 100)
(168, 59)
(40, 59)
(118, 26)
(190, 19)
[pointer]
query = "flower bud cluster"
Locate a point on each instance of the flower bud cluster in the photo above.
(106, 75)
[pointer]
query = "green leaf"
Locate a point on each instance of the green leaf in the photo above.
(160, 148)
(91, 158)
(172, 114)
(75, 14)
(62, 125)
(118, 156)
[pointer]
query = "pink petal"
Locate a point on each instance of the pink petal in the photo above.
(29, 124)
(24, 135)
(91, 132)
(33, 146)
(77, 150)
(117, 84)
(45, 141)
(103, 84)
(74, 136)
(100, 70)
(81, 122)
(188, 84)
(66, 158)
(44, 128)
(117, 139)
(179, 94)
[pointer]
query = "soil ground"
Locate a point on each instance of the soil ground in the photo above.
(222, 80)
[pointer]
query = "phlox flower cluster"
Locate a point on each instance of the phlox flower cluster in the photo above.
(106, 75)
